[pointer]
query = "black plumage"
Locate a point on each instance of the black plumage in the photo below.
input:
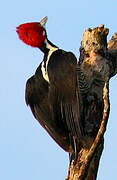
(57, 104)
(54, 91)
(36, 96)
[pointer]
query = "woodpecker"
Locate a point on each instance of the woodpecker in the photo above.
(54, 92)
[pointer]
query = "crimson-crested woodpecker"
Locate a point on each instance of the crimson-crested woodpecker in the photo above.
(54, 91)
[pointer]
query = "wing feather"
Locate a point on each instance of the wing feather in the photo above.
(63, 79)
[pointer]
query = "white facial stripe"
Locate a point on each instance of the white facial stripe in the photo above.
(44, 69)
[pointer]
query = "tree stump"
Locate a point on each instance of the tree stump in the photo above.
(98, 61)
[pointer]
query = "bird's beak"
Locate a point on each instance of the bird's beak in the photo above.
(43, 21)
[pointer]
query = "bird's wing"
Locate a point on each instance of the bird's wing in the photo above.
(29, 94)
(64, 90)
(36, 96)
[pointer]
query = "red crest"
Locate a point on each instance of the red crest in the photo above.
(32, 34)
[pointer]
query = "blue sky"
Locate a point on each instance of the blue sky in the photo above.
(26, 151)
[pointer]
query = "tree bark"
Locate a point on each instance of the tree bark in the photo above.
(98, 61)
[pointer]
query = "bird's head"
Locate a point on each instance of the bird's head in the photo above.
(33, 33)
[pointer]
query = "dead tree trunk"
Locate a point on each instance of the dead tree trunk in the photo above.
(98, 60)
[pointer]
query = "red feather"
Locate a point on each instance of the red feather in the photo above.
(32, 34)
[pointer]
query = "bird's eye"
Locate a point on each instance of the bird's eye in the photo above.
(44, 33)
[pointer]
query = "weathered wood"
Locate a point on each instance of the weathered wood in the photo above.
(99, 64)
(112, 50)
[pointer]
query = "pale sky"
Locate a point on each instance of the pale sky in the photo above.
(26, 150)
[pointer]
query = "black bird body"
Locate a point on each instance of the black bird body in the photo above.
(54, 100)
(54, 91)
(37, 97)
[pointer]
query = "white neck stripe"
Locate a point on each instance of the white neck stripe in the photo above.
(44, 68)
